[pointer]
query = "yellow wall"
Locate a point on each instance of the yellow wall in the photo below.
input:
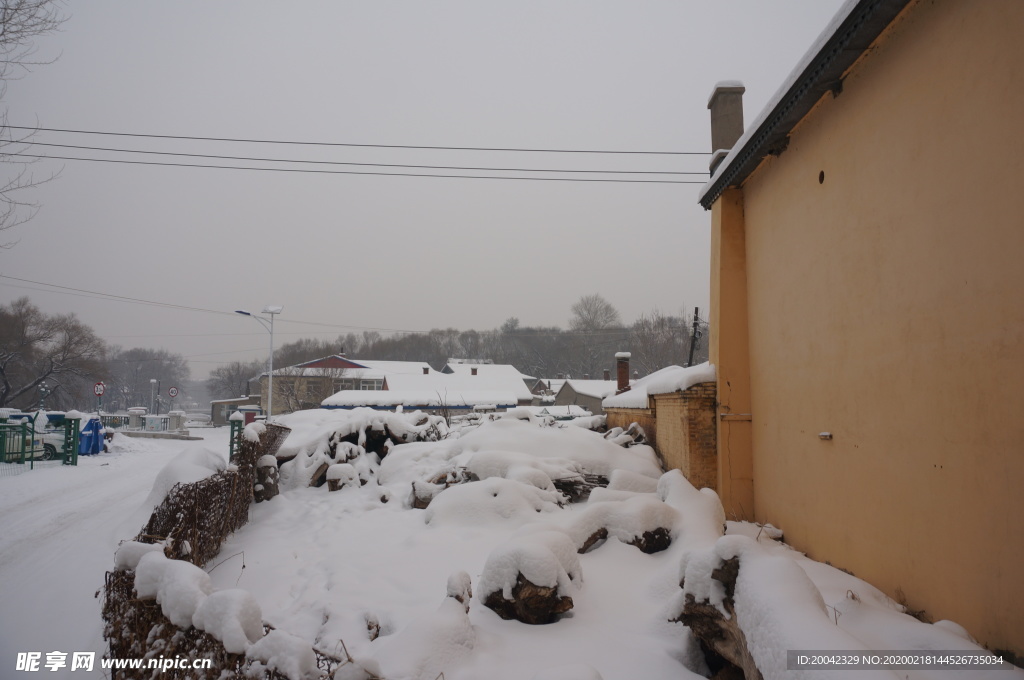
(886, 306)
(728, 352)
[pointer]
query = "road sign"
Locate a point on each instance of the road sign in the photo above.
(98, 389)
(173, 391)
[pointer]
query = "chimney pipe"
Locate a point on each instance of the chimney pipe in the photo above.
(726, 106)
(472, 371)
(622, 371)
(607, 374)
(426, 370)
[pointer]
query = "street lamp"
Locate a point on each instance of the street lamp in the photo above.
(43, 391)
(152, 393)
(271, 310)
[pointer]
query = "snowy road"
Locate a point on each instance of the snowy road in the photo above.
(59, 528)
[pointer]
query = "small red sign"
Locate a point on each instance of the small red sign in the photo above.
(173, 392)
(98, 389)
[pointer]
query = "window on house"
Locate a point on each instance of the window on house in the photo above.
(344, 384)
(371, 384)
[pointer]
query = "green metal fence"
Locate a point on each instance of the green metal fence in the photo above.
(23, 448)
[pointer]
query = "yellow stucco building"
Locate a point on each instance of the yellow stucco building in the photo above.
(868, 308)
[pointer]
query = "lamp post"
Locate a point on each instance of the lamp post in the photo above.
(43, 391)
(152, 393)
(271, 310)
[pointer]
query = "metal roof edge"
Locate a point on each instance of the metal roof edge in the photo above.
(823, 73)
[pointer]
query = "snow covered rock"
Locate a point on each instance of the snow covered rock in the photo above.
(528, 577)
(341, 475)
(640, 520)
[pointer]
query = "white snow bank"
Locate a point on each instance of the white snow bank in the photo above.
(625, 520)
(664, 381)
(288, 654)
(312, 430)
(490, 500)
(624, 480)
(589, 450)
(130, 552)
(523, 467)
(179, 587)
(232, 616)
(545, 558)
(427, 646)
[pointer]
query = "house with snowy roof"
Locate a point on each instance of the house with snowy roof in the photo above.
(499, 376)
(306, 385)
(432, 391)
(585, 393)
(866, 308)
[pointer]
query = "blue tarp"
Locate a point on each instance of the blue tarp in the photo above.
(91, 438)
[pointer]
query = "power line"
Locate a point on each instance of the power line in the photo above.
(349, 144)
(358, 172)
(372, 165)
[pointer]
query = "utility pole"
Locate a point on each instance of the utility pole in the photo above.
(694, 335)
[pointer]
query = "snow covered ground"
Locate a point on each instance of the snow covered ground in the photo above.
(360, 562)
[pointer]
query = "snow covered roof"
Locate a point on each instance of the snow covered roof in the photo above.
(494, 376)
(853, 29)
(664, 381)
(591, 388)
(351, 368)
(419, 398)
(568, 410)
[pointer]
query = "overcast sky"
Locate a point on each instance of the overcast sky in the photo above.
(355, 252)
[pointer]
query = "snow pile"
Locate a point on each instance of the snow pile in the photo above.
(523, 467)
(130, 552)
(545, 558)
(288, 654)
(232, 616)
(427, 647)
(665, 381)
(489, 500)
(626, 520)
(314, 431)
(179, 587)
(343, 474)
(574, 449)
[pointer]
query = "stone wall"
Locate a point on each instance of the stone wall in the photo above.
(681, 427)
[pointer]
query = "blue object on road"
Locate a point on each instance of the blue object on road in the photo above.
(90, 439)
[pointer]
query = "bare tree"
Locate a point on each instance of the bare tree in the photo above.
(35, 348)
(235, 379)
(21, 22)
(593, 313)
(132, 370)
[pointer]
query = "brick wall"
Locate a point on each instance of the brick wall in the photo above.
(681, 427)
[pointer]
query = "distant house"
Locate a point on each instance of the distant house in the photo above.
(432, 392)
(867, 314)
(585, 393)
(500, 376)
(221, 409)
(306, 385)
